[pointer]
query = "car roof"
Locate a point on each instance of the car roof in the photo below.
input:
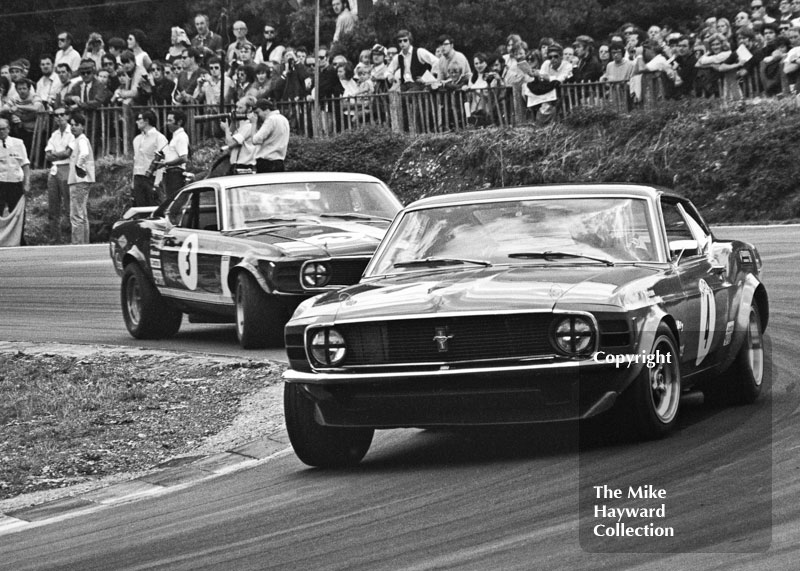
(543, 191)
(288, 177)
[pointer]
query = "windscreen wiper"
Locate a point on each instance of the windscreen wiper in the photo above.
(354, 216)
(550, 255)
(441, 262)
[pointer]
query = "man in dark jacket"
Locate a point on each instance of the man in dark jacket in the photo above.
(588, 67)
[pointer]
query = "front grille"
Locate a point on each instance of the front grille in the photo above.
(468, 338)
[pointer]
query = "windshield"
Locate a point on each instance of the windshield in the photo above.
(542, 231)
(260, 205)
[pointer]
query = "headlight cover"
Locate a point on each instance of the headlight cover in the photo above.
(327, 347)
(315, 274)
(574, 336)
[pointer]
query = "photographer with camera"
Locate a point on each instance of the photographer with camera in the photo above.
(272, 138)
(240, 142)
(146, 174)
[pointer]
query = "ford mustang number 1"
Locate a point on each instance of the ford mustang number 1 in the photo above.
(527, 305)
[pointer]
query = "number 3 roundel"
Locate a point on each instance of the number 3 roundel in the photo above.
(187, 262)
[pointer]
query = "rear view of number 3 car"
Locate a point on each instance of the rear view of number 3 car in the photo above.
(527, 305)
(247, 249)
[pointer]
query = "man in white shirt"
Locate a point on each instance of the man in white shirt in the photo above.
(145, 146)
(176, 154)
(15, 181)
(414, 64)
(66, 53)
(57, 152)
(452, 59)
(243, 151)
(48, 85)
(272, 138)
(81, 175)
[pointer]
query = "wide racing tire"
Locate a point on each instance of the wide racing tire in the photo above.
(259, 320)
(147, 314)
(741, 382)
(317, 445)
(651, 402)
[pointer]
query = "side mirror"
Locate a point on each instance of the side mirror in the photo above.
(681, 248)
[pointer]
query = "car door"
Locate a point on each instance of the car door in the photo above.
(704, 283)
(194, 253)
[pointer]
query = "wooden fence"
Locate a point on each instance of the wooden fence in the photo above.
(112, 129)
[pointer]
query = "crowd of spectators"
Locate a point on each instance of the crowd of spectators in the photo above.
(759, 45)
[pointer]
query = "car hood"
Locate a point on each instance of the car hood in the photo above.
(319, 239)
(504, 288)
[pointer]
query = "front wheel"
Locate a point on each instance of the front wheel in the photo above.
(741, 382)
(259, 321)
(652, 400)
(317, 445)
(147, 314)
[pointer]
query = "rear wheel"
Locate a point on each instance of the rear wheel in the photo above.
(652, 400)
(259, 321)
(317, 445)
(147, 314)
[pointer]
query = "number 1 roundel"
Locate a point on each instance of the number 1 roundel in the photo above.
(187, 262)
(708, 317)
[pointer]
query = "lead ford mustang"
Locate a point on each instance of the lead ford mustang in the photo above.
(247, 249)
(527, 305)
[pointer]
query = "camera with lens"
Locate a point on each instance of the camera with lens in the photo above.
(155, 165)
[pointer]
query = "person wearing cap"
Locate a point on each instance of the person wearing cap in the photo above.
(379, 73)
(588, 66)
(88, 93)
(15, 72)
(272, 137)
(57, 152)
(66, 53)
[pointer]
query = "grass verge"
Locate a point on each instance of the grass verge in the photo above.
(65, 420)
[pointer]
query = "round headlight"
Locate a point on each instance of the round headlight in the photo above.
(315, 274)
(574, 335)
(328, 347)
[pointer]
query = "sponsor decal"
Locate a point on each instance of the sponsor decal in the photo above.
(224, 270)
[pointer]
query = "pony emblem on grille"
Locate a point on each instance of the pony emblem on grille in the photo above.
(442, 339)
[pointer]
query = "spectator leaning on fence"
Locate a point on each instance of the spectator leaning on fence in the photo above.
(57, 152)
(414, 64)
(145, 146)
(81, 175)
(88, 93)
(588, 66)
(452, 57)
(24, 108)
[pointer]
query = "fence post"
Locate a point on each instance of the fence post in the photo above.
(516, 104)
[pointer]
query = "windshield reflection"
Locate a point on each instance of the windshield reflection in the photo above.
(612, 229)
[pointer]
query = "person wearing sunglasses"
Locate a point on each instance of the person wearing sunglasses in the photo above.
(270, 48)
(413, 64)
(66, 53)
(57, 152)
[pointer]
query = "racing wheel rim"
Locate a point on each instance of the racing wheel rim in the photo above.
(665, 387)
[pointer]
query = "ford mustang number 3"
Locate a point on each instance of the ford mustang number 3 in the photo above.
(247, 249)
